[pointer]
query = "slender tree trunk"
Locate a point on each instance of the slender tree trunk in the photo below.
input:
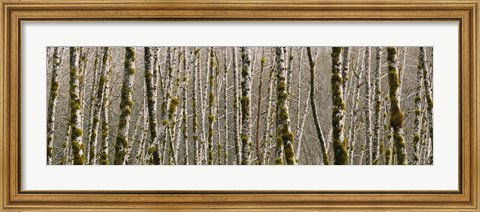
(345, 66)
(338, 110)
(172, 114)
(78, 146)
(377, 142)
(66, 144)
(153, 155)
(388, 134)
(105, 66)
(396, 114)
(225, 109)
(211, 100)
(196, 147)
(140, 158)
(285, 137)
(246, 85)
(164, 128)
(418, 108)
(133, 138)
(204, 102)
(301, 128)
(52, 103)
(267, 136)
(314, 107)
(428, 98)
(259, 109)
(236, 108)
(402, 69)
(82, 72)
(289, 70)
(300, 118)
(368, 109)
(126, 107)
(352, 134)
(97, 66)
(184, 106)
(216, 104)
(104, 136)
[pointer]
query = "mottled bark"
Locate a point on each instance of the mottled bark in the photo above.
(352, 133)
(52, 103)
(368, 108)
(289, 69)
(396, 114)
(285, 137)
(184, 106)
(96, 67)
(236, 108)
(246, 85)
(140, 158)
(104, 135)
(152, 152)
(78, 147)
(429, 100)
(105, 66)
(225, 109)
(66, 145)
(82, 72)
(318, 128)
(418, 108)
(345, 69)
(126, 106)
(211, 99)
(196, 145)
(378, 143)
(172, 112)
(267, 135)
(338, 110)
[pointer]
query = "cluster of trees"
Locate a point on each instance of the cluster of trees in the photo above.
(240, 105)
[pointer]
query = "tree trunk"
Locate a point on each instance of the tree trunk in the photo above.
(345, 66)
(211, 100)
(172, 112)
(429, 100)
(52, 103)
(377, 142)
(267, 135)
(418, 108)
(368, 109)
(152, 151)
(75, 109)
(338, 110)
(184, 106)
(196, 147)
(97, 66)
(259, 109)
(396, 114)
(236, 108)
(126, 107)
(352, 133)
(225, 109)
(99, 105)
(140, 158)
(246, 85)
(285, 137)
(318, 128)
(104, 136)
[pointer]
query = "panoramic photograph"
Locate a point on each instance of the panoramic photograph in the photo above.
(239, 105)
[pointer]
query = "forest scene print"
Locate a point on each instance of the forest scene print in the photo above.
(187, 105)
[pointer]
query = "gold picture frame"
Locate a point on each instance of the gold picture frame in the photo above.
(14, 12)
